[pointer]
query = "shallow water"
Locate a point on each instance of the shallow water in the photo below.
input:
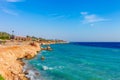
(76, 62)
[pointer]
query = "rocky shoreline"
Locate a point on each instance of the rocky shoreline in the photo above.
(11, 59)
(12, 54)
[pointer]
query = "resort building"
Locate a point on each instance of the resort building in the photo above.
(20, 38)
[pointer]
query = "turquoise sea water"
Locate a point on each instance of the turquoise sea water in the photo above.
(76, 62)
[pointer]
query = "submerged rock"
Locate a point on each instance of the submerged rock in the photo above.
(42, 58)
(49, 48)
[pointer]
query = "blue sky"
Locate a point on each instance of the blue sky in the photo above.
(71, 20)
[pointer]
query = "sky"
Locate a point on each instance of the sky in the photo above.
(70, 20)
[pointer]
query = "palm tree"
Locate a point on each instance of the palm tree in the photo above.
(12, 32)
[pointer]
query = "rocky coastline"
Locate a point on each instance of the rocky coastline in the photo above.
(11, 64)
(12, 54)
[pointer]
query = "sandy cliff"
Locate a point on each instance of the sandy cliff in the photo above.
(11, 65)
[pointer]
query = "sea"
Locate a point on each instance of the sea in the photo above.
(77, 61)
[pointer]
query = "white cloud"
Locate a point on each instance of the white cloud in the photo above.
(56, 16)
(91, 24)
(7, 11)
(13, 0)
(8, 8)
(91, 18)
(83, 13)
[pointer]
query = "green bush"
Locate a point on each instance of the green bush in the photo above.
(1, 78)
(4, 36)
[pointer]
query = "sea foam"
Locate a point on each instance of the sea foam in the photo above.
(47, 68)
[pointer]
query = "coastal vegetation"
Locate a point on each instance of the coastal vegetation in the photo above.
(1, 78)
(4, 36)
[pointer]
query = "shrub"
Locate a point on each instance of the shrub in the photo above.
(1, 78)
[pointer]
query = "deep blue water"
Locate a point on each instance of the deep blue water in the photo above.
(99, 44)
(79, 61)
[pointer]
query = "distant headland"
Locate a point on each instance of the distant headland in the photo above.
(4, 37)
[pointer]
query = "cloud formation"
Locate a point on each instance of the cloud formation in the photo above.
(13, 0)
(91, 18)
(7, 11)
(8, 8)
(56, 16)
(84, 13)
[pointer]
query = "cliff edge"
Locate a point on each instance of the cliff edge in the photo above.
(11, 65)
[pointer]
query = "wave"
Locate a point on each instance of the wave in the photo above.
(31, 72)
(52, 68)
(47, 68)
(33, 75)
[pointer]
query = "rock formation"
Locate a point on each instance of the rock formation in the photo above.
(11, 65)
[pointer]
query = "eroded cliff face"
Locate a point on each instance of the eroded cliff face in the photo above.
(10, 64)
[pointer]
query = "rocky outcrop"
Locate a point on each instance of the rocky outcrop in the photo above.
(47, 48)
(11, 65)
